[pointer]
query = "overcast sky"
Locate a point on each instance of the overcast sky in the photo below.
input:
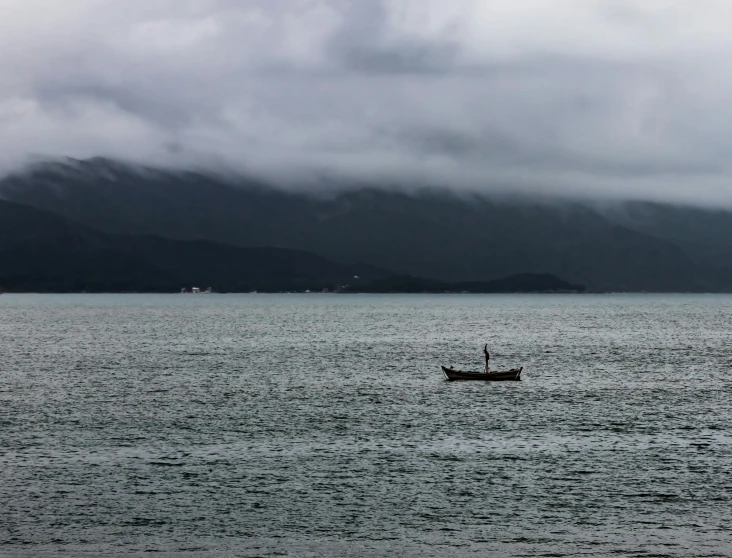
(606, 97)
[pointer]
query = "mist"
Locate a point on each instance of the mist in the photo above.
(589, 98)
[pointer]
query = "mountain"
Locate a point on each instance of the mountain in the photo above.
(521, 283)
(40, 251)
(428, 233)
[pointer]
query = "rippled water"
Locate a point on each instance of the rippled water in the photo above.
(320, 425)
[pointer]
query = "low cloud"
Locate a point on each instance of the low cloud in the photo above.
(595, 98)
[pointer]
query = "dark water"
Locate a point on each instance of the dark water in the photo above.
(320, 425)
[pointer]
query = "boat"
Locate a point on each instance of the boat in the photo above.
(506, 375)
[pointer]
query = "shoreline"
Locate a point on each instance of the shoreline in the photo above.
(430, 293)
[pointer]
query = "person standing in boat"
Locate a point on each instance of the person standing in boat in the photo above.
(487, 357)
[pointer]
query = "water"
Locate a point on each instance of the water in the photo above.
(320, 425)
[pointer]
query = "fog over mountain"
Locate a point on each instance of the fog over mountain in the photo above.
(590, 98)
(427, 233)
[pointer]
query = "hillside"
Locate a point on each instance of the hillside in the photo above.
(40, 251)
(430, 233)
(521, 283)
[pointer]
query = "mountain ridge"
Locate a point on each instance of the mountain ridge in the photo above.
(43, 252)
(40, 251)
(427, 233)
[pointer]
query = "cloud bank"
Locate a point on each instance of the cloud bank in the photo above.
(618, 98)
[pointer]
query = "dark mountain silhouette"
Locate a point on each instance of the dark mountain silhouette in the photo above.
(428, 233)
(521, 283)
(40, 251)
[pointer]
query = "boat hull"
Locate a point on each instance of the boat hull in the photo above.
(504, 376)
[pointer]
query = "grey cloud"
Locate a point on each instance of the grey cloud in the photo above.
(404, 58)
(573, 97)
(154, 110)
(364, 44)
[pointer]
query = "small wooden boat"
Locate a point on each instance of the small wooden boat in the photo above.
(506, 375)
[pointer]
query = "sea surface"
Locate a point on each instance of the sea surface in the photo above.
(321, 425)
